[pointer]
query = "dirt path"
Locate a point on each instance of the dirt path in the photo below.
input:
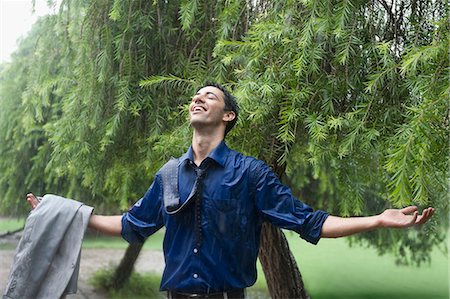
(91, 261)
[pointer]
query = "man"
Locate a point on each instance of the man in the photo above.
(211, 244)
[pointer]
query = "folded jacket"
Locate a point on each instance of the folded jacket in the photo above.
(46, 262)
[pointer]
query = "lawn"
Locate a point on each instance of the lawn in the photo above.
(332, 269)
(10, 224)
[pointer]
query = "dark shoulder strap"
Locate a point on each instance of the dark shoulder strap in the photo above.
(169, 176)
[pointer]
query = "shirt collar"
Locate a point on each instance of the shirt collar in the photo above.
(219, 154)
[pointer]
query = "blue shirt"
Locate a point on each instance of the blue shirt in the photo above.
(238, 194)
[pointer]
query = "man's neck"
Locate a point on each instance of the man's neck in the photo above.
(202, 145)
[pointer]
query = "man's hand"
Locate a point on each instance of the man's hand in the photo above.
(335, 227)
(405, 217)
(32, 200)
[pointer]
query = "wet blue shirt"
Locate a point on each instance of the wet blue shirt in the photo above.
(238, 194)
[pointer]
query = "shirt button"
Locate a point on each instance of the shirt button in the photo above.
(195, 250)
(195, 275)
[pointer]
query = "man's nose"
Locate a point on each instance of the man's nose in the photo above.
(198, 99)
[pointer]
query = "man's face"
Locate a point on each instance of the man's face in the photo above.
(207, 108)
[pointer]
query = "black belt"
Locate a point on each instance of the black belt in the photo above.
(236, 294)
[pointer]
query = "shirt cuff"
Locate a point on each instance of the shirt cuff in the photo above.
(128, 233)
(315, 227)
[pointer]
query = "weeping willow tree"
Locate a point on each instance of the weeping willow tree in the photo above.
(359, 124)
(346, 101)
(28, 100)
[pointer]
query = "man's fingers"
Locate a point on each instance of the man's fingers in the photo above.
(426, 215)
(422, 218)
(31, 203)
(32, 200)
(414, 218)
(409, 210)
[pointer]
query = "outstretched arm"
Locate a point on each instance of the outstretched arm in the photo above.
(335, 227)
(111, 225)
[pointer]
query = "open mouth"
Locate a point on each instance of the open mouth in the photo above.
(198, 109)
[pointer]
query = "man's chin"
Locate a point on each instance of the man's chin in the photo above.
(201, 124)
(197, 119)
(196, 123)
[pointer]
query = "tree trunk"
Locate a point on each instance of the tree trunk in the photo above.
(280, 268)
(126, 266)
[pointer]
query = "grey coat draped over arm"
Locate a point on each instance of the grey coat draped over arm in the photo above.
(47, 257)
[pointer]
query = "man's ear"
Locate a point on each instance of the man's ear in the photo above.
(229, 116)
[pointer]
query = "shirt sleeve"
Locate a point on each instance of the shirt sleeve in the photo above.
(278, 206)
(146, 216)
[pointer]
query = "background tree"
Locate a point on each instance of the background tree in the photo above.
(346, 100)
(353, 111)
(316, 73)
(29, 100)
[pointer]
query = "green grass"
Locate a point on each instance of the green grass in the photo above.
(10, 224)
(140, 286)
(332, 269)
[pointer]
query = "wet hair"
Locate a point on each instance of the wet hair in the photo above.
(230, 104)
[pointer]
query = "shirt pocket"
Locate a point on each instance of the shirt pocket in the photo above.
(224, 216)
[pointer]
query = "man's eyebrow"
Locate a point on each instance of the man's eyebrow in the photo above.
(208, 93)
